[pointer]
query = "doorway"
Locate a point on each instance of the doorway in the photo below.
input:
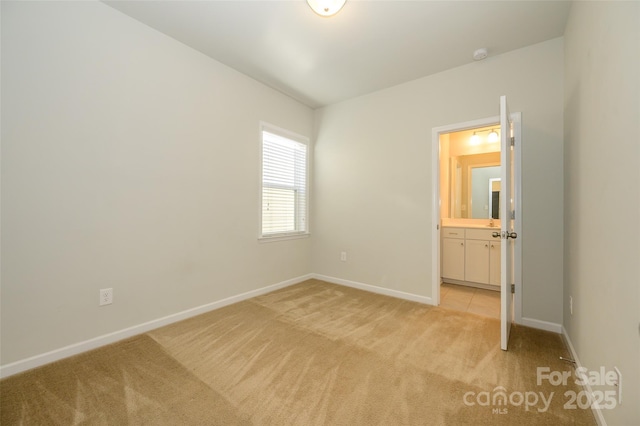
(470, 176)
(454, 204)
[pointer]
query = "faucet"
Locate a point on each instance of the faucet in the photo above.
(491, 223)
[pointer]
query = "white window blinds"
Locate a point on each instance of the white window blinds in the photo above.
(284, 185)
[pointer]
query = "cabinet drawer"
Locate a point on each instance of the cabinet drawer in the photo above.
(453, 232)
(481, 234)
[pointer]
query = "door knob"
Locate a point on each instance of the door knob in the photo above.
(495, 235)
(512, 235)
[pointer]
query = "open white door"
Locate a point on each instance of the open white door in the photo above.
(507, 219)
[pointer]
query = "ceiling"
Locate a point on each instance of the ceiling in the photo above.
(367, 46)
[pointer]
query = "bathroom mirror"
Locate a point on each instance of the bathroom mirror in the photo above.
(475, 186)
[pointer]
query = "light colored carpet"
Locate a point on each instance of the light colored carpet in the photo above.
(310, 354)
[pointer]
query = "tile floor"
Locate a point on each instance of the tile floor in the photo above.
(469, 299)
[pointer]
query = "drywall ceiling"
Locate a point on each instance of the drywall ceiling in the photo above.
(368, 46)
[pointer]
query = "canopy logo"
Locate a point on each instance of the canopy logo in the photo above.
(498, 399)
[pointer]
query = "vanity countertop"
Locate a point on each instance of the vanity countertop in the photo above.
(472, 226)
(476, 225)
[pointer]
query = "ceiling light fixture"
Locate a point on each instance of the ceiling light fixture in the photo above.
(326, 7)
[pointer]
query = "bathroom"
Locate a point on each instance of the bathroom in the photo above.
(470, 220)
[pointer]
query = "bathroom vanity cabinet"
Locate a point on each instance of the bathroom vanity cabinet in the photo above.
(471, 256)
(453, 253)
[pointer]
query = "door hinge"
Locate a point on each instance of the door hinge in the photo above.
(513, 214)
(438, 227)
(513, 288)
(513, 140)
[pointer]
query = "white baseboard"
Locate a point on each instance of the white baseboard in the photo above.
(87, 345)
(96, 342)
(597, 413)
(542, 325)
(374, 289)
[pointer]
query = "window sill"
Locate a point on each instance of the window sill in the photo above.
(283, 237)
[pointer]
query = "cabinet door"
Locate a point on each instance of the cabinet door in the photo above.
(476, 265)
(453, 258)
(494, 263)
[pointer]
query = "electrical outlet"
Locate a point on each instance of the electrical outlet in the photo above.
(343, 256)
(571, 305)
(106, 296)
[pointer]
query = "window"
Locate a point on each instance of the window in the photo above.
(284, 204)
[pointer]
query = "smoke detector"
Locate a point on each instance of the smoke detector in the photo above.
(480, 54)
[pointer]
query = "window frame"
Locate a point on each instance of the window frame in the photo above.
(285, 235)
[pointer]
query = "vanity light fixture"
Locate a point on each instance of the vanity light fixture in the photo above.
(475, 139)
(326, 8)
(493, 136)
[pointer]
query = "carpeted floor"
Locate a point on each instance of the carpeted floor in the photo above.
(310, 354)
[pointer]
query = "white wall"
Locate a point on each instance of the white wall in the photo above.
(128, 161)
(602, 186)
(373, 173)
